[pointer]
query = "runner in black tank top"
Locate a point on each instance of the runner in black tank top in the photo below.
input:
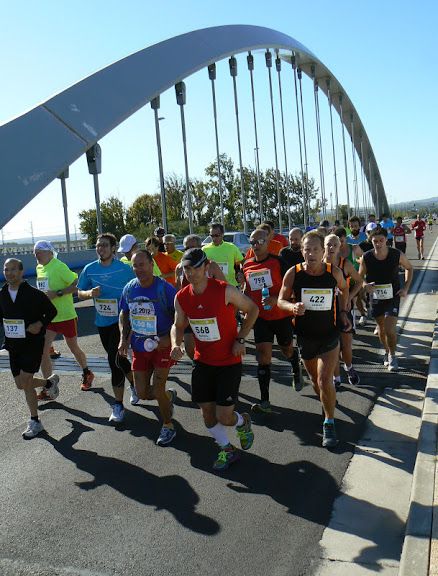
(312, 285)
(380, 267)
(331, 255)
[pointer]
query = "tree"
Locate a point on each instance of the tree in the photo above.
(113, 220)
(144, 211)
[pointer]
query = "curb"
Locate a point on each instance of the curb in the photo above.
(420, 551)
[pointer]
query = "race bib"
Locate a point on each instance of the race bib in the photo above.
(399, 238)
(205, 329)
(383, 292)
(258, 279)
(107, 307)
(14, 328)
(224, 267)
(144, 325)
(317, 299)
(143, 318)
(43, 284)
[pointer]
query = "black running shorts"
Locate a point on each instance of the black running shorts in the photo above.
(265, 330)
(385, 307)
(310, 348)
(26, 360)
(219, 384)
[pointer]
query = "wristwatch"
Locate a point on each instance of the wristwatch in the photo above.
(59, 293)
(240, 340)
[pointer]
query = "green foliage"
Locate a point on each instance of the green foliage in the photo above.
(145, 213)
(113, 220)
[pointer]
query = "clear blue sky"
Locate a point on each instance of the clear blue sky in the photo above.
(382, 52)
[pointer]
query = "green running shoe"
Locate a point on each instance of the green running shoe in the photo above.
(262, 408)
(244, 432)
(227, 455)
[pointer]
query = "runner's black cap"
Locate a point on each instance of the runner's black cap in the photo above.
(194, 257)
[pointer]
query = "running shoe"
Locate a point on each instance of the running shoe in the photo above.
(353, 377)
(166, 436)
(245, 433)
(297, 372)
(376, 330)
(392, 363)
(51, 393)
(329, 438)
(33, 429)
(362, 321)
(227, 455)
(262, 408)
(54, 354)
(337, 384)
(134, 399)
(117, 414)
(87, 380)
(385, 359)
(172, 397)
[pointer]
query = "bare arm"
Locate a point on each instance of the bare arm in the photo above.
(71, 289)
(249, 308)
(409, 273)
(285, 295)
(343, 296)
(177, 332)
(354, 275)
(125, 330)
(214, 271)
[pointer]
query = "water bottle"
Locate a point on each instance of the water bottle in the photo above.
(265, 294)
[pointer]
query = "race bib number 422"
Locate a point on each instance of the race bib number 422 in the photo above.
(317, 299)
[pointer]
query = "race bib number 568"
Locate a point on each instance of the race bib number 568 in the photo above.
(205, 329)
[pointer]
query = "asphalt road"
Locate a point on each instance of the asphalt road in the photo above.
(88, 498)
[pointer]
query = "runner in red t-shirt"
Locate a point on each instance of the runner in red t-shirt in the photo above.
(419, 226)
(399, 234)
(209, 306)
(266, 271)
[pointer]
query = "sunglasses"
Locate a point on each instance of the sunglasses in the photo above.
(257, 242)
(215, 235)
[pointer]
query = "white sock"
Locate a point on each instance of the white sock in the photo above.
(219, 433)
(239, 419)
(347, 368)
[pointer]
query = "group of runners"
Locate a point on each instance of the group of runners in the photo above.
(307, 286)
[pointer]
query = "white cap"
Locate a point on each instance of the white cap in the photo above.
(371, 226)
(126, 243)
(44, 245)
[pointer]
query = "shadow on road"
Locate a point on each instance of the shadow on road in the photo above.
(172, 493)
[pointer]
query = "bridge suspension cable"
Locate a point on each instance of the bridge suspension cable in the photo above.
(319, 142)
(335, 177)
(280, 91)
(250, 63)
(212, 77)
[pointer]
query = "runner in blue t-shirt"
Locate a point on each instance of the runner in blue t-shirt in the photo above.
(103, 280)
(388, 225)
(147, 314)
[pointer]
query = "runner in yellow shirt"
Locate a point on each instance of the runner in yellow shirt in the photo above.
(58, 282)
(128, 245)
(171, 250)
(226, 254)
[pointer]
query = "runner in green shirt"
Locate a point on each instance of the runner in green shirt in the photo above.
(225, 254)
(58, 282)
(128, 245)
